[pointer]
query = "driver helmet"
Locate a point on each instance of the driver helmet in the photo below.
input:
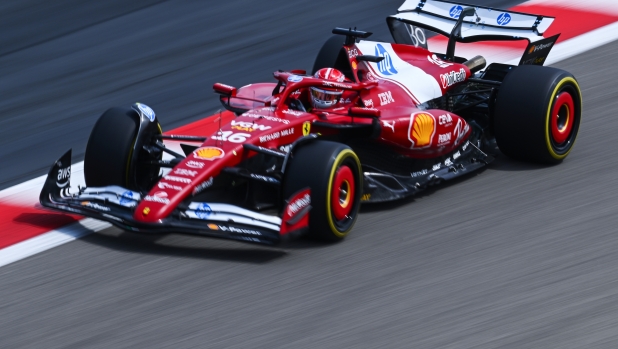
(322, 97)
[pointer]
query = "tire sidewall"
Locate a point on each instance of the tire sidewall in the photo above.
(315, 165)
(523, 113)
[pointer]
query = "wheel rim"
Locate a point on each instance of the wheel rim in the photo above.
(562, 118)
(342, 195)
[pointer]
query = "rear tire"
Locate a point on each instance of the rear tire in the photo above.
(333, 172)
(109, 153)
(327, 57)
(538, 113)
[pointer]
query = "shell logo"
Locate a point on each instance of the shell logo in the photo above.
(209, 153)
(421, 131)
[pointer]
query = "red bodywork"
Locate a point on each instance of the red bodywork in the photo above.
(270, 123)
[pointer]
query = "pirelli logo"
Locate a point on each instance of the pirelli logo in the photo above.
(421, 130)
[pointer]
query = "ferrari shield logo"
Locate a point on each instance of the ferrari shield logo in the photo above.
(421, 130)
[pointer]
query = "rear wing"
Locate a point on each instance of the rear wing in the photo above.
(486, 24)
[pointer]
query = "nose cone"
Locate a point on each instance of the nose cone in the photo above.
(198, 167)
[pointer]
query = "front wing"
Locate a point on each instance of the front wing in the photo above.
(116, 205)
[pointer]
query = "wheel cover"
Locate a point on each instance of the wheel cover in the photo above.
(562, 118)
(342, 195)
(566, 95)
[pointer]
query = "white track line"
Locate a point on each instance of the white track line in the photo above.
(50, 240)
(30, 190)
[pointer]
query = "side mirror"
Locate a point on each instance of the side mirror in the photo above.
(224, 89)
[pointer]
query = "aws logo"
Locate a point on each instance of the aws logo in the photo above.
(385, 66)
(421, 130)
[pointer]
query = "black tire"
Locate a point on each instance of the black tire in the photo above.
(109, 153)
(537, 115)
(327, 57)
(327, 168)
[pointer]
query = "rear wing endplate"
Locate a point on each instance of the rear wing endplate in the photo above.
(487, 23)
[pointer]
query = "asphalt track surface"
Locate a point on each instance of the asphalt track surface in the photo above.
(517, 256)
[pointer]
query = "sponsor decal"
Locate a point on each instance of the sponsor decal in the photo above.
(266, 117)
(354, 65)
(165, 185)
(195, 164)
(456, 155)
(203, 186)
(292, 112)
(437, 61)
(503, 19)
(285, 148)
(185, 172)
(448, 162)
(158, 199)
(177, 179)
(295, 78)
(299, 203)
(96, 206)
(160, 194)
(370, 77)
(230, 136)
(127, 198)
(264, 178)
(203, 211)
(146, 211)
(421, 130)
(274, 100)
(334, 84)
(450, 79)
(455, 11)
(239, 230)
(64, 177)
(352, 52)
(465, 146)
(306, 128)
(368, 103)
(147, 111)
(208, 153)
(445, 119)
(212, 226)
(366, 197)
(389, 124)
(385, 66)
(436, 167)
(419, 173)
(444, 138)
(460, 131)
(537, 60)
(386, 98)
(343, 101)
(276, 135)
(537, 48)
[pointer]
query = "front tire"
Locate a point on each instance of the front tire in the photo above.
(538, 113)
(109, 158)
(333, 172)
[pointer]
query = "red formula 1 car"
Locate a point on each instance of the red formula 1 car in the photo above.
(375, 121)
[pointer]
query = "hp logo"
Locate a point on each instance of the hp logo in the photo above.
(385, 66)
(455, 11)
(504, 19)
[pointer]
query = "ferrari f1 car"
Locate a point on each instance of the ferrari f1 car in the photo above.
(374, 122)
